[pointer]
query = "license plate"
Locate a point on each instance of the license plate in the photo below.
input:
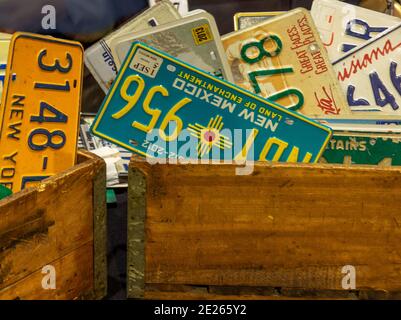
(99, 58)
(243, 20)
(363, 148)
(370, 75)
(162, 107)
(4, 44)
(284, 60)
(367, 123)
(92, 143)
(194, 39)
(343, 26)
(40, 109)
(180, 5)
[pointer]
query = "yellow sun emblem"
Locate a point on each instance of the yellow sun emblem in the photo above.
(210, 136)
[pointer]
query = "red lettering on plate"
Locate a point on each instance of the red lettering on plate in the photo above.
(330, 20)
(327, 103)
(330, 41)
(368, 58)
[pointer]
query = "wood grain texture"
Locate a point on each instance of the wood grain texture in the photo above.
(285, 226)
(49, 224)
(136, 232)
(100, 232)
(74, 279)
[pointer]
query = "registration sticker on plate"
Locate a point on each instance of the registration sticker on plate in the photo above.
(179, 112)
(363, 148)
(370, 75)
(194, 39)
(284, 60)
(343, 26)
(41, 105)
(243, 20)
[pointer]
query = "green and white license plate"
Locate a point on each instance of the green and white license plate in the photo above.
(161, 107)
(363, 148)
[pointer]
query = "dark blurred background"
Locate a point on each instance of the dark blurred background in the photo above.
(88, 20)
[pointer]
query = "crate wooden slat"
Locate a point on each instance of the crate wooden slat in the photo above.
(285, 231)
(61, 222)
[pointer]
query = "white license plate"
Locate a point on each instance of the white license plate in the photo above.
(371, 75)
(343, 26)
(194, 39)
(180, 5)
(99, 58)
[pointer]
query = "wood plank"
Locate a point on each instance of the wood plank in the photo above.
(136, 230)
(285, 225)
(74, 274)
(100, 233)
(42, 224)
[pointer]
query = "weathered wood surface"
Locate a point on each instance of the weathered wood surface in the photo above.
(286, 226)
(56, 223)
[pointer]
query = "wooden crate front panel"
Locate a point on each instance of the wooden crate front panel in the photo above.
(285, 226)
(50, 224)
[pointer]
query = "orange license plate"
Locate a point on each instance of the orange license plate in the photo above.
(40, 109)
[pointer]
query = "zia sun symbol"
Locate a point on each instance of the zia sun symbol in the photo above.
(210, 136)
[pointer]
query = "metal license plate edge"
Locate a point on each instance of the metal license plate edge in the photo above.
(238, 15)
(136, 45)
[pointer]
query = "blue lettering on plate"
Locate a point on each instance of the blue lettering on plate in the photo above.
(378, 89)
(366, 35)
(350, 97)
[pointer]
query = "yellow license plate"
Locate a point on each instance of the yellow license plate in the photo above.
(284, 60)
(40, 109)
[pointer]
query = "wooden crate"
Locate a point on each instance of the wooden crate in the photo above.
(61, 222)
(285, 231)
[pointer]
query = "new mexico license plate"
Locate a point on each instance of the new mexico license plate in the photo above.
(371, 76)
(343, 26)
(363, 148)
(164, 108)
(284, 60)
(41, 105)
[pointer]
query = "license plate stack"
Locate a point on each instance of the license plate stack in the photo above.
(298, 86)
